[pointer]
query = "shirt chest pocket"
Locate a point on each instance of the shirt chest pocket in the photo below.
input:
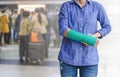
(72, 19)
(90, 24)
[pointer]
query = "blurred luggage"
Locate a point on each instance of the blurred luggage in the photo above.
(36, 52)
(36, 48)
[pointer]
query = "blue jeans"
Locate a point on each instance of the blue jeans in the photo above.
(84, 71)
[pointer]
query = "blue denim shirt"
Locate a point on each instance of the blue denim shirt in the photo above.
(83, 20)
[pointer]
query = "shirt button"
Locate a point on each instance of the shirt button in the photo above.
(81, 29)
(81, 19)
(81, 49)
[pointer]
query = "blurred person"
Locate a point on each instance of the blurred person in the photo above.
(49, 27)
(45, 36)
(55, 27)
(17, 24)
(40, 21)
(52, 17)
(52, 35)
(81, 16)
(5, 27)
(0, 22)
(14, 16)
(9, 13)
(24, 31)
(31, 15)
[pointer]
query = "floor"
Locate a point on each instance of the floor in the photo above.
(109, 63)
(10, 67)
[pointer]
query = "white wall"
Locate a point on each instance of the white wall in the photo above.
(109, 49)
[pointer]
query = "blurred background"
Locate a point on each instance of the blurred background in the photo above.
(109, 48)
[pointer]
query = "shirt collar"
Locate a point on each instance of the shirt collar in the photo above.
(89, 1)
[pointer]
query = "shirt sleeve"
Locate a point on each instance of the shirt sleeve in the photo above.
(104, 22)
(63, 19)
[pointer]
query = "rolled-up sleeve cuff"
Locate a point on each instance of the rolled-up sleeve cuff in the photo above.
(102, 34)
(62, 31)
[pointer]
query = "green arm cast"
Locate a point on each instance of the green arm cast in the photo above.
(77, 36)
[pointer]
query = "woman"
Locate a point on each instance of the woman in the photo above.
(24, 31)
(81, 16)
(40, 21)
(5, 27)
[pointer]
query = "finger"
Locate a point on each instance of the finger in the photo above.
(97, 43)
(85, 43)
